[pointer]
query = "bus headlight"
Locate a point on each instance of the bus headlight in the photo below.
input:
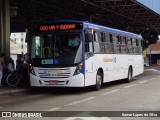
(78, 69)
(31, 69)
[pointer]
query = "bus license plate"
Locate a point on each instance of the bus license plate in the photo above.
(53, 81)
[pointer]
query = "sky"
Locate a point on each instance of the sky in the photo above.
(152, 4)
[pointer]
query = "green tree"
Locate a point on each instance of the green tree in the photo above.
(150, 36)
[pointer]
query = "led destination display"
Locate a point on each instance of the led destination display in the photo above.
(59, 27)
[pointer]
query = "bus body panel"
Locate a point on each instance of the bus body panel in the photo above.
(90, 72)
(114, 66)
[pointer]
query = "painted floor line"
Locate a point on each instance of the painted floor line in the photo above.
(143, 81)
(129, 86)
(89, 98)
(76, 102)
(152, 78)
(54, 109)
(109, 92)
(73, 103)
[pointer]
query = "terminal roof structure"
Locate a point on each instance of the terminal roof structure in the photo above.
(122, 14)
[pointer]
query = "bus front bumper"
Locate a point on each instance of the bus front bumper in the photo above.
(73, 81)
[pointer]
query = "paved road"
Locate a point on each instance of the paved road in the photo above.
(142, 94)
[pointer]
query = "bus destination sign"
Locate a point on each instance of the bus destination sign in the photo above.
(57, 27)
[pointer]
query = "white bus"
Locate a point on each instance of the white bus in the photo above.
(70, 53)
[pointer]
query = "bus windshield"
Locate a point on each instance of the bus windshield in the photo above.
(57, 48)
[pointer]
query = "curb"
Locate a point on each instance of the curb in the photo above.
(153, 70)
(11, 92)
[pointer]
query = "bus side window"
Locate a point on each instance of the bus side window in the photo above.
(107, 38)
(137, 42)
(141, 42)
(111, 42)
(88, 41)
(119, 39)
(139, 45)
(102, 37)
(97, 39)
(118, 43)
(108, 43)
(129, 45)
(111, 38)
(125, 40)
(134, 46)
(123, 45)
(133, 42)
(101, 42)
(115, 43)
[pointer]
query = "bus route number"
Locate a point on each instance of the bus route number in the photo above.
(57, 27)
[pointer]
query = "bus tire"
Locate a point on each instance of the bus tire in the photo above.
(98, 84)
(129, 77)
(12, 80)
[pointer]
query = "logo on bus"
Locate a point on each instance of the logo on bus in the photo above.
(52, 72)
(109, 59)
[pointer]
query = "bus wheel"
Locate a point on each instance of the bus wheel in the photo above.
(129, 78)
(12, 80)
(98, 84)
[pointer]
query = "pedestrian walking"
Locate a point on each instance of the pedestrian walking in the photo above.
(2, 66)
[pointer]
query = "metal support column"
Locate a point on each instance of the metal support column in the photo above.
(5, 27)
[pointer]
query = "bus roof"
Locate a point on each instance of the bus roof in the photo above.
(111, 30)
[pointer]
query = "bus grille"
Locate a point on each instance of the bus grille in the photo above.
(54, 73)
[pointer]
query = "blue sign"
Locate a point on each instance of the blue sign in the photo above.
(56, 61)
